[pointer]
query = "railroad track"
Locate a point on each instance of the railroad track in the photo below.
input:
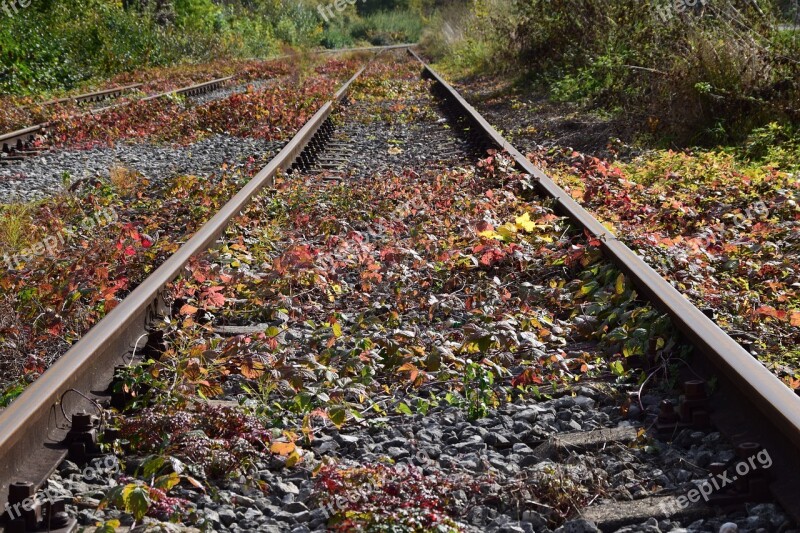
(27, 142)
(95, 96)
(30, 141)
(442, 132)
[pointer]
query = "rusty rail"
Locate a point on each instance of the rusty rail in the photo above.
(754, 384)
(95, 96)
(15, 140)
(32, 427)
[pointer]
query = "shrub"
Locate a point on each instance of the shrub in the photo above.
(704, 75)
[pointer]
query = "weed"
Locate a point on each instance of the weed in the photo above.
(478, 390)
(16, 227)
(123, 179)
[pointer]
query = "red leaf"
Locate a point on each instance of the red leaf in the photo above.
(188, 309)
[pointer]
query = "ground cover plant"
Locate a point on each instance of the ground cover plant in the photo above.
(69, 259)
(385, 297)
(269, 112)
(22, 111)
(724, 230)
(719, 223)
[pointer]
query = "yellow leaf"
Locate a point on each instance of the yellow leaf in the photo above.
(283, 448)
(293, 459)
(507, 231)
(525, 222)
(619, 287)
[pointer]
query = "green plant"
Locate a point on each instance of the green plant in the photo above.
(10, 394)
(388, 27)
(478, 390)
(705, 76)
(15, 227)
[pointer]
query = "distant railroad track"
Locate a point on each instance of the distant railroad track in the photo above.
(750, 406)
(95, 96)
(27, 142)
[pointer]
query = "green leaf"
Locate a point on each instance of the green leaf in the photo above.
(403, 408)
(616, 368)
(153, 465)
(589, 288)
(114, 497)
(108, 527)
(337, 415)
(137, 500)
(167, 482)
(485, 342)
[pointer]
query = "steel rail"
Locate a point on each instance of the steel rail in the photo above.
(91, 97)
(192, 89)
(754, 382)
(30, 429)
(8, 141)
(367, 48)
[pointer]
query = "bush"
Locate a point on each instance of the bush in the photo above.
(389, 27)
(58, 45)
(720, 70)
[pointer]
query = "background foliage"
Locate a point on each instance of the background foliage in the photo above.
(53, 45)
(693, 75)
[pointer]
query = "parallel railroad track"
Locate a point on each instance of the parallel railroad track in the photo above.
(30, 141)
(750, 405)
(22, 143)
(95, 96)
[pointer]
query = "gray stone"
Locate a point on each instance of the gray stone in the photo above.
(347, 440)
(227, 516)
(578, 526)
(584, 402)
(284, 516)
(398, 453)
(296, 507)
(211, 516)
(286, 487)
(651, 526)
(527, 415)
(496, 440)
(522, 449)
(68, 468)
(327, 447)
(252, 514)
